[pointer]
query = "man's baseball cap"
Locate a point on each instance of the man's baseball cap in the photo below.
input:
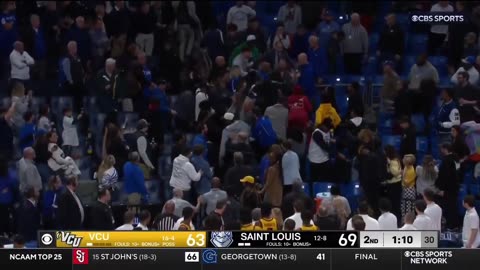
(248, 179)
(251, 38)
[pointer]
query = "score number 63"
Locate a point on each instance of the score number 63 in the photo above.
(347, 239)
(197, 240)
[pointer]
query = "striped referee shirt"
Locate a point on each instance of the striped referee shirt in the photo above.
(165, 222)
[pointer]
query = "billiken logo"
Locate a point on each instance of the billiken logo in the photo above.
(69, 238)
(80, 256)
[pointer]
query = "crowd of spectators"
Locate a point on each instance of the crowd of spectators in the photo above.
(246, 114)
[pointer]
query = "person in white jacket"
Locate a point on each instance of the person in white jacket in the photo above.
(58, 162)
(468, 66)
(20, 62)
(183, 173)
(239, 15)
(69, 134)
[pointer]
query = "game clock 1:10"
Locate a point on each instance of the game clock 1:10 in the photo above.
(402, 239)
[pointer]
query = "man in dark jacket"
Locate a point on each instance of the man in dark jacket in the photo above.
(447, 183)
(35, 43)
(408, 144)
(79, 33)
(101, 216)
(118, 24)
(70, 209)
(391, 42)
(107, 87)
(235, 173)
(72, 75)
(467, 97)
(28, 216)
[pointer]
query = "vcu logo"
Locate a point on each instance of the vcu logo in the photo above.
(69, 238)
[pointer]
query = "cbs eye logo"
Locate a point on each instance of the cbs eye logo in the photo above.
(46, 239)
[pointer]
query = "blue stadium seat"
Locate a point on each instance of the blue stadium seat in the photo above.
(408, 62)
(417, 43)
(306, 188)
(373, 42)
(153, 189)
(422, 144)
(342, 104)
(468, 178)
(319, 187)
(403, 20)
(419, 121)
(440, 62)
(385, 123)
(474, 189)
(393, 140)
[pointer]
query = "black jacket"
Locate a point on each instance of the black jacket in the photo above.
(28, 220)
(233, 176)
(391, 40)
(101, 217)
(69, 217)
(447, 180)
(408, 145)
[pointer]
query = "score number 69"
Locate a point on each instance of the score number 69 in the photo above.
(349, 239)
(197, 240)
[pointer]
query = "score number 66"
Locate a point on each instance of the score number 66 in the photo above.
(350, 239)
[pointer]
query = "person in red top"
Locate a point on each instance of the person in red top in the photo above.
(300, 109)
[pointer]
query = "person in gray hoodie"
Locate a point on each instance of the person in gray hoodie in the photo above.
(278, 114)
(422, 70)
(232, 129)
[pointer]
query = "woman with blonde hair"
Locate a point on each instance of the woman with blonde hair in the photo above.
(409, 194)
(277, 215)
(107, 175)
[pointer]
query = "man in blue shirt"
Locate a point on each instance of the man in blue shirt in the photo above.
(307, 74)
(201, 139)
(326, 27)
(263, 131)
(134, 181)
(159, 108)
(201, 164)
(317, 56)
(8, 33)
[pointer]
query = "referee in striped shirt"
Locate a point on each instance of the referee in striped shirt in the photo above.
(166, 220)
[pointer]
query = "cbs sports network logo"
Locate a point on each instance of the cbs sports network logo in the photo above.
(438, 18)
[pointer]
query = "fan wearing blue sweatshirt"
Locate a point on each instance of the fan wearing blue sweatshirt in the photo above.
(159, 108)
(263, 131)
(134, 179)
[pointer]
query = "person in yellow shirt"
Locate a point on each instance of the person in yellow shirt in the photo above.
(246, 220)
(408, 184)
(267, 222)
(307, 225)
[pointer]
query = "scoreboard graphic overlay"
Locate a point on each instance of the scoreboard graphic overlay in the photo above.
(202, 250)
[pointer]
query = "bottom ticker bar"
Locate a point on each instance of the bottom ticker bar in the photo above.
(239, 259)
